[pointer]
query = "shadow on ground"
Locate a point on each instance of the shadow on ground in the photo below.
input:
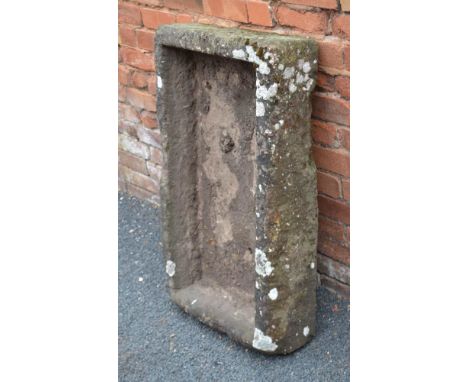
(159, 342)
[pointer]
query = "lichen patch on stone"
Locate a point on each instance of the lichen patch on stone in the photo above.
(309, 84)
(288, 72)
(262, 265)
(273, 294)
(306, 331)
(259, 109)
(238, 53)
(266, 93)
(160, 83)
(292, 87)
(300, 64)
(300, 78)
(263, 68)
(252, 55)
(170, 268)
(263, 342)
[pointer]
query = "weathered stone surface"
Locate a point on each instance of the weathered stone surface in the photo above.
(238, 187)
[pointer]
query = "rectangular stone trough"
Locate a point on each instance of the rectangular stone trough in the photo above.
(238, 187)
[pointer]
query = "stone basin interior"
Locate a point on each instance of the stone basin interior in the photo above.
(212, 167)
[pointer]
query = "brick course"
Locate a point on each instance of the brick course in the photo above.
(327, 4)
(327, 21)
(309, 21)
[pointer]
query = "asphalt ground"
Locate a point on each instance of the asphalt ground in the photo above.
(159, 342)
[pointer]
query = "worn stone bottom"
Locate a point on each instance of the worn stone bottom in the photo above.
(232, 312)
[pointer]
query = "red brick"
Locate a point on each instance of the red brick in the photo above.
(331, 54)
(152, 84)
(340, 26)
(129, 14)
(228, 9)
(347, 58)
(153, 18)
(133, 162)
(344, 138)
(155, 155)
(235, 10)
(122, 185)
(332, 230)
(344, 5)
(334, 250)
(328, 184)
(335, 286)
(184, 19)
(327, 4)
(132, 145)
(140, 180)
(345, 186)
(148, 119)
(325, 82)
(325, 133)
(137, 58)
(330, 108)
(141, 99)
(154, 170)
(122, 93)
(342, 86)
(259, 13)
(333, 269)
(150, 137)
(145, 39)
(127, 128)
(124, 75)
(128, 113)
(140, 79)
(127, 35)
(308, 21)
(191, 5)
(140, 193)
(210, 20)
(214, 7)
(151, 2)
(334, 160)
(334, 209)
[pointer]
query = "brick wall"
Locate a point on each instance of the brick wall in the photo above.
(327, 21)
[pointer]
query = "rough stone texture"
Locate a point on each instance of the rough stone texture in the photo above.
(238, 187)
